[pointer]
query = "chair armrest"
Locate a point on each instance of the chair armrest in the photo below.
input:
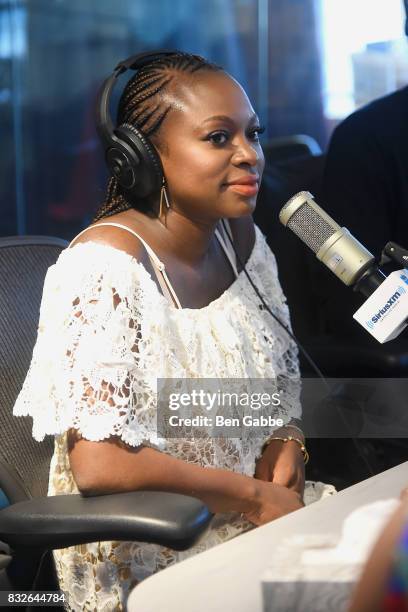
(168, 519)
(5, 555)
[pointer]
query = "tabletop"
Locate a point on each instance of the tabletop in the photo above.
(227, 577)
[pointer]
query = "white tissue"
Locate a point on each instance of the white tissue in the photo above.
(317, 572)
(360, 531)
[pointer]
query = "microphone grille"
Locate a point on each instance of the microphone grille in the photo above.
(308, 224)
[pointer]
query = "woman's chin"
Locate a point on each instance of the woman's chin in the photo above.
(243, 206)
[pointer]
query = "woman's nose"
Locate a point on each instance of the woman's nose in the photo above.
(247, 152)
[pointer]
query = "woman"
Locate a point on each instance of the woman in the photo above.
(113, 332)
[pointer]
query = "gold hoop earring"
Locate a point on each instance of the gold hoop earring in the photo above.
(163, 196)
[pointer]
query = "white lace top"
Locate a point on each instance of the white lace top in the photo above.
(105, 334)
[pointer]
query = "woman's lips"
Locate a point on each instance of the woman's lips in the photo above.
(246, 185)
(246, 190)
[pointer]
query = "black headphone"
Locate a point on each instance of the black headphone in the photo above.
(131, 157)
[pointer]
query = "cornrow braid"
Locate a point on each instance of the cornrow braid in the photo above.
(142, 105)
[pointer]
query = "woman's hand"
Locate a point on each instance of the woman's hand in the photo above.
(282, 463)
(272, 501)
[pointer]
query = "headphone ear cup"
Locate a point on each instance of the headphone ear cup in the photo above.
(133, 160)
(122, 164)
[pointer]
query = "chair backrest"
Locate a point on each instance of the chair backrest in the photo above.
(286, 148)
(24, 260)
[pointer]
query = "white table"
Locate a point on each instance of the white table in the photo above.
(227, 577)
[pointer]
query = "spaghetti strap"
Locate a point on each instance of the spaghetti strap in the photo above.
(125, 227)
(158, 265)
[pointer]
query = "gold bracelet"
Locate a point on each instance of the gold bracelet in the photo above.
(289, 439)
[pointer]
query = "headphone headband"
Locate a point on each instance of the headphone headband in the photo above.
(104, 123)
(130, 156)
(141, 59)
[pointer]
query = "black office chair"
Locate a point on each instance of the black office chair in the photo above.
(291, 147)
(33, 524)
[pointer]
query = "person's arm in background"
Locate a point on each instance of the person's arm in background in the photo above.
(372, 589)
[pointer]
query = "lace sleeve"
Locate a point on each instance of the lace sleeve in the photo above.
(87, 370)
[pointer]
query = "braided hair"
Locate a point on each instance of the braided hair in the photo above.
(143, 104)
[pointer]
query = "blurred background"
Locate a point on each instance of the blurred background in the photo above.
(306, 64)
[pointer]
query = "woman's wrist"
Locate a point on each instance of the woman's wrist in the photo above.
(227, 491)
(285, 438)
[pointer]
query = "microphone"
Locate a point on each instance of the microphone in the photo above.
(385, 311)
(334, 246)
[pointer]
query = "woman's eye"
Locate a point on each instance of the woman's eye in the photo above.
(255, 133)
(218, 138)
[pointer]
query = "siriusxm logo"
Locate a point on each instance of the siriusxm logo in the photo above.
(400, 290)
